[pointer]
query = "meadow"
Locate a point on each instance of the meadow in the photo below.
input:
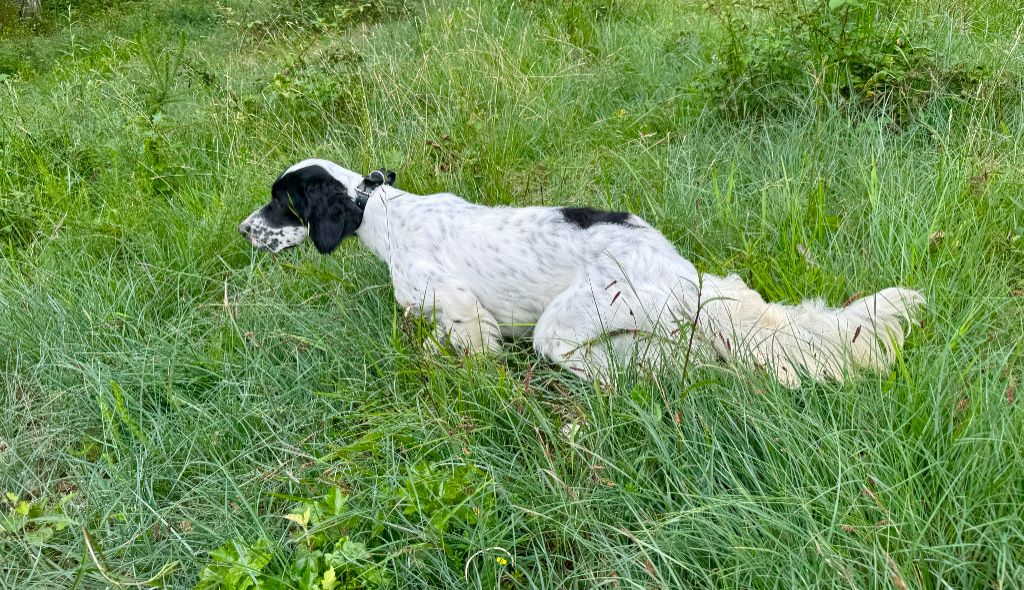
(178, 410)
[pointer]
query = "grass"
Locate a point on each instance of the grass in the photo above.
(168, 390)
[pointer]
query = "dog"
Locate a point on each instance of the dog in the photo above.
(595, 289)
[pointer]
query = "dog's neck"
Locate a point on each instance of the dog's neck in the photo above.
(375, 229)
(363, 194)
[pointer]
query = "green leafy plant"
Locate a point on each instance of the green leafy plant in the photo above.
(324, 551)
(236, 565)
(442, 497)
(32, 522)
(319, 555)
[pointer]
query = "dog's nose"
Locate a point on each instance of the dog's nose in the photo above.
(244, 228)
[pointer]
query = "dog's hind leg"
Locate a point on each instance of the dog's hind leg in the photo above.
(563, 331)
(590, 330)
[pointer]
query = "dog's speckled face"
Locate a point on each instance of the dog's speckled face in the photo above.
(307, 200)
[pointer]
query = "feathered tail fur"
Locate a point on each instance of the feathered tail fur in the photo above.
(808, 339)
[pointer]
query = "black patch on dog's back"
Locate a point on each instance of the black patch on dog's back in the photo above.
(584, 217)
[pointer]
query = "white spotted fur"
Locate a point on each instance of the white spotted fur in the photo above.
(593, 298)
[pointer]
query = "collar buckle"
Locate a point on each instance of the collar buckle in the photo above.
(372, 182)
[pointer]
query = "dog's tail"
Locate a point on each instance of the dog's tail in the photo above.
(808, 339)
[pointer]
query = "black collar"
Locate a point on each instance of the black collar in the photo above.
(372, 182)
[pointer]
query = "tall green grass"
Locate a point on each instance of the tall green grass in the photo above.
(178, 390)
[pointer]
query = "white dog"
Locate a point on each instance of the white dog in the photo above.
(595, 288)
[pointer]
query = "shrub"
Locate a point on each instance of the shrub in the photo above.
(853, 53)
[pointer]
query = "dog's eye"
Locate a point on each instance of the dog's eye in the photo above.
(277, 214)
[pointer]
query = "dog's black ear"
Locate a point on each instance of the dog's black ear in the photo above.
(389, 176)
(330, 214)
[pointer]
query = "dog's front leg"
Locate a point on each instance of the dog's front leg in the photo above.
(459, 317)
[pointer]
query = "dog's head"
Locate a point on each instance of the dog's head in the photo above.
(313, 198)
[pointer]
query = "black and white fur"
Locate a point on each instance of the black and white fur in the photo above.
(594, 288)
